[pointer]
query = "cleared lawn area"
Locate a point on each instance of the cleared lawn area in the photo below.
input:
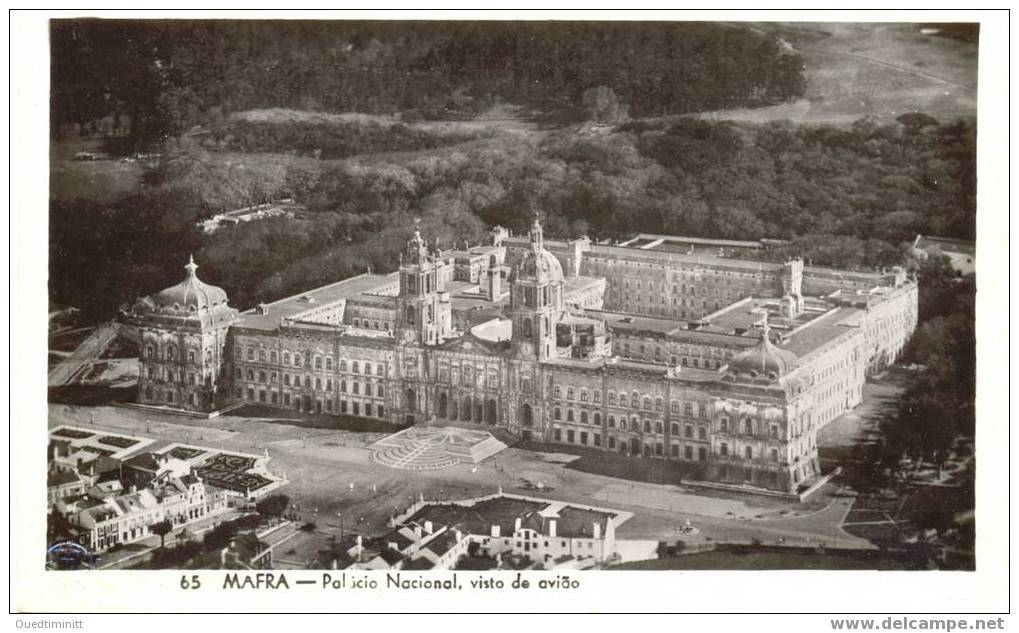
(619, 466)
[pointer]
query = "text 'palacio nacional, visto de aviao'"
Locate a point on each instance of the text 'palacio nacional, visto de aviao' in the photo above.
(661, 348)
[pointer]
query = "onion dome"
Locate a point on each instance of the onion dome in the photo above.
(764, 360)
(538, 264)
(191, 298)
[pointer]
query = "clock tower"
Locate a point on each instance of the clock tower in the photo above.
(423, 314)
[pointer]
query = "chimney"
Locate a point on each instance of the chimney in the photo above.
(494, 288)
(597, 530)
(552, 528)
(428, 527)
(263, 308)
(516, 525)
(417, 531)
(360, 544)
(496, 531)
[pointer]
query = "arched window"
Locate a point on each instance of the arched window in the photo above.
(612, 421)
(251, 375)
(286, 358)
(297, 360)
(380, 391)
(557, 414)
(597, 419)
(569, 415)
(368, 368)
(410, 315)
(748, 426)
(354, 367)
(647, 403)
(635, 400)
(329, 362)
(318, 362)
(583, 417)
(647, 426)
(528, 328)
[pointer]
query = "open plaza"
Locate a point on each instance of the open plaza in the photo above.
(337, 482)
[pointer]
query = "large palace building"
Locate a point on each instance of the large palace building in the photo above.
(670, 349)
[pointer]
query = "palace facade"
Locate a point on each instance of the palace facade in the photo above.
(730, 365)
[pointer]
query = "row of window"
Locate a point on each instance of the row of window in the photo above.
(749, 427)
(311, 361)
(169, 352)
(467, 377)
(635, 447)
(634, 424)
(371, 324)
(636, 401)
(318, 382)
(169, 375)
(748, 452)
(168, 396)
(358, 408)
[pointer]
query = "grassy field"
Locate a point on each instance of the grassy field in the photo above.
(103, 180)
(879, 70)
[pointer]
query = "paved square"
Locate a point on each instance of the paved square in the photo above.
(434, 447)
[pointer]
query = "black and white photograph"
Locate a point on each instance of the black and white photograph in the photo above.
(419, 303)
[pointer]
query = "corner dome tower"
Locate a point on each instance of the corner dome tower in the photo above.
(190, 299)
(764, 360)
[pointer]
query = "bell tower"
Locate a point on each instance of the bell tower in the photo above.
(422, 307)
(536, 299)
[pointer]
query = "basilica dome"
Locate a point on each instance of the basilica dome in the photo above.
(537, 263)
(541, 266)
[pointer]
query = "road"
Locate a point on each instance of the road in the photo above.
(86, 353)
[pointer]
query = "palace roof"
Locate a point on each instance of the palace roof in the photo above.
(275, 312)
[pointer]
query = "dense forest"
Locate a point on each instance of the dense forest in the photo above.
(849, 197)
(166, 76)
